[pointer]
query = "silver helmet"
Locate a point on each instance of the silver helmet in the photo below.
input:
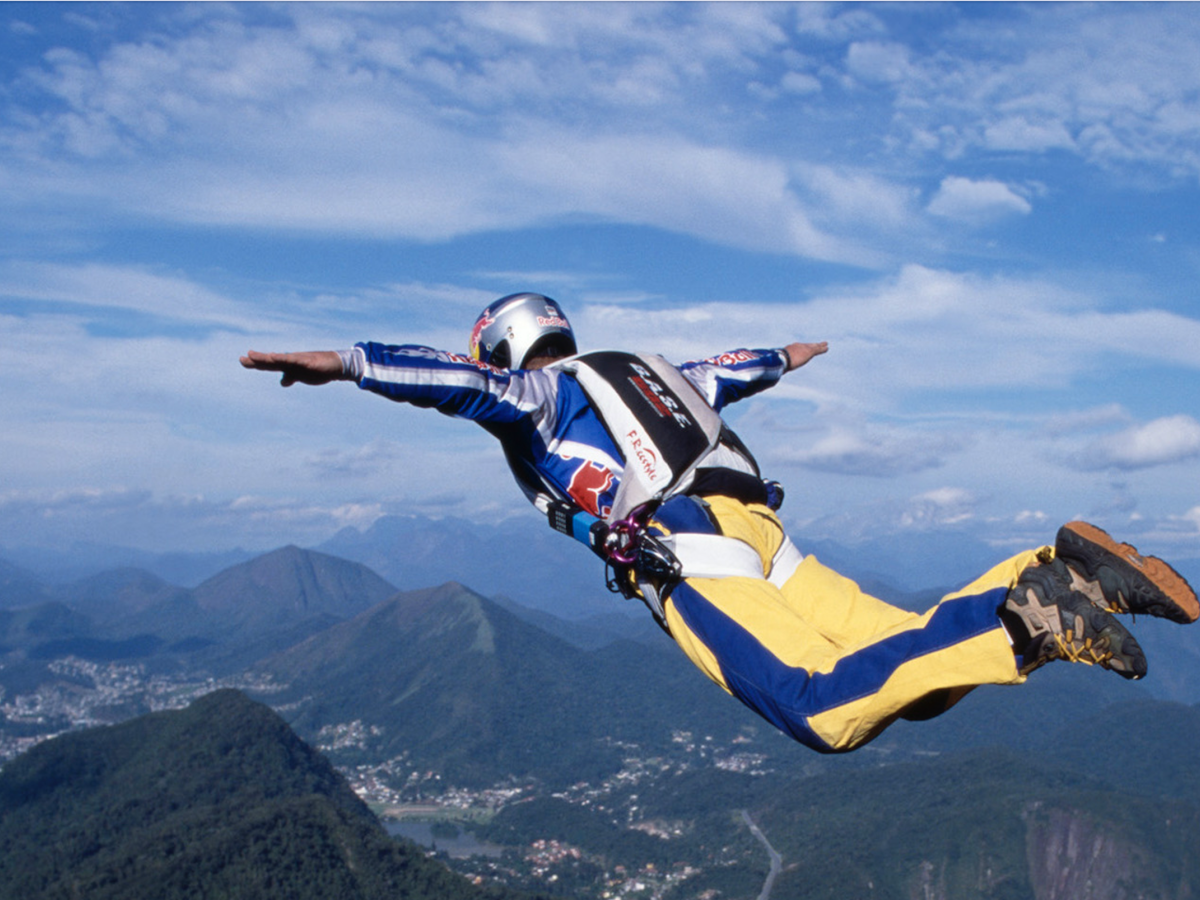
(516, 328)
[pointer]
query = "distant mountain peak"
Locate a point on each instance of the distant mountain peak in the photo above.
(291, 582)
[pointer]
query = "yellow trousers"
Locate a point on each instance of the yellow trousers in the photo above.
(817, 657)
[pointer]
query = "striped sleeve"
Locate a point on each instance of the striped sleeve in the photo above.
(448, 382)
(729, 377)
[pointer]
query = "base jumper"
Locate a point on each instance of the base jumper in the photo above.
(627, 453)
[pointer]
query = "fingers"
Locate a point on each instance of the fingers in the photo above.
(308, 367)
(255, 360)
(818, 348)
(274, 362)
(271, 362)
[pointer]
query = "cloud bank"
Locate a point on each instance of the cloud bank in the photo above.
(930, 189)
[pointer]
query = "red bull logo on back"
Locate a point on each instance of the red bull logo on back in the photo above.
(588, 482)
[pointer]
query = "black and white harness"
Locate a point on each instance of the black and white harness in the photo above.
(672, 442)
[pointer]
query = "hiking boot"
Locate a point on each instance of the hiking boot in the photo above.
(1118, 579)
(1048, 620)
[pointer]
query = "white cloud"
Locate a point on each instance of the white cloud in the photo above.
(89, 289)
(974, 201)
(283, 128)
(941, 506)
(1164, 441)
(172, 521)
(1156, 334)
(1018, 133)
(719, 194)
(857, 197)
(18, 27)
(934, 330)
(1074, 422)
(879, 62)
(782, 131)
(1109, 93)
(1031, 516)
(370, 458)
(1192, 517)
(435, 121)
(800, 83)
(837, 23)
(874, 451)
(921, 333)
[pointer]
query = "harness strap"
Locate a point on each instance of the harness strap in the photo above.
(784, 565)
(713, 556)
(710, 556)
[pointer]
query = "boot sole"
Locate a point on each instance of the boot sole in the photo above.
(1178, 601)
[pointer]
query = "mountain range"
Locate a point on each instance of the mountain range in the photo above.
(478, 688)
(485, 690)
(228, 621)
(496, 557)
(242, 613)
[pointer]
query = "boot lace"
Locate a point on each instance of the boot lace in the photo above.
(1085, 651)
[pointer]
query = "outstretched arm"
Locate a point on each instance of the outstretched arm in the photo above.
(310, 367)
(737, 374)
(798, 354)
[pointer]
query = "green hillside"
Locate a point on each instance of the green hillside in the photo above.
(218, 800)
(471, 691)
(1106, 808)
(984, 826)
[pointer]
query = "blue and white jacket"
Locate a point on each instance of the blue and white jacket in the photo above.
(554, 442)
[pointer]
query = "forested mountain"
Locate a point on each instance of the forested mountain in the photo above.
(218, 800)
(1107, 808)
(472, 691)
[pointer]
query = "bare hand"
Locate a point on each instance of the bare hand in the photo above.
(310, 367)
(798, 354)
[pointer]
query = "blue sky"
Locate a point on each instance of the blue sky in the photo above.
(989, 211)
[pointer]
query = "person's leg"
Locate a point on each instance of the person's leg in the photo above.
(743, 636)
(835, 606)
(824, 661)
(832, 604)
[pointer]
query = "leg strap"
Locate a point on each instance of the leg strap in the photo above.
(787, 558)
(713, 556)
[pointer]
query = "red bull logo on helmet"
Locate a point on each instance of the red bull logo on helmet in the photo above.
(481, 323)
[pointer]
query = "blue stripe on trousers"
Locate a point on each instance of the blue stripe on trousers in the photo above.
(786, 696)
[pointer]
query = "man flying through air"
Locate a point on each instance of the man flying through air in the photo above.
(628, 453)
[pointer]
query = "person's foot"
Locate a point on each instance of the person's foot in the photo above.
(1118, 579)
(1048, 620)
